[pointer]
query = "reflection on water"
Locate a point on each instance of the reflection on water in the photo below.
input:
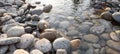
(65, 8)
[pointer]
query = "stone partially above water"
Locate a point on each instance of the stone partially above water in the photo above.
(47, 8)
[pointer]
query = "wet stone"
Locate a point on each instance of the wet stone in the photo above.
(8, 41)
(28, 29)
(47, 8)
(106, 36)
(106, 15)
(1, 4)
(90, 51)
(19, 2)
(26, 41)
(35, 51)
(116, 16)
(91, 38)
(36, 11)
(35, 17)
(114, 45)
(64, 24)
(62, 43)
(97, 29)
(114, 36)
(102, 50)
(15, 31)
(84, 46)
(43, 45)
(97, 46)
(10, 1)
(20, 51)
(84, 28)
(111, 51)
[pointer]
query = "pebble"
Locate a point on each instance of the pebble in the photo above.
(62, 43)
(28, 29)
(114, 36)
(2, 11)
(3, 49)
(10, 1)
(96, 51)
(42, 25)
(105, 36)
(47, 8)
(35, 17)
(1, 4)
(106, 15)
(102, 50)
(84, 28)
(84, 46)
(15, 31)
(72, 33)
(43, 45)
(75, 44)
(8, 41)
(20, 12)
(5, 18)
(35, 51)
(91, 38)
(97, 46)
(111, 51)
(114, 45)
(19, 2)
(116, 16)
(48, 35)
(26, 41)
(20, 51)
(2, 36)
(61, 51)
(36, 11)
(90, 51)
(97, 29)
(64, 24)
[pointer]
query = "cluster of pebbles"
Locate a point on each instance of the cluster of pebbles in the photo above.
(22, 31)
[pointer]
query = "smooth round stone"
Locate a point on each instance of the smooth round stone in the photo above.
(28, 17)
(18, 19)
(35, 17)
(20, 51)
(19, 2)
(42, 24)
(106, 15)
(62, 43)
(28, 29)
(8, 41)
(10, 21)
(105, 36)
(15, 31)
(49, 35)
(91, 38)
(36, 33)
(61, 51)
(47, 8)
(36, 11)
(97, 46)
(114, 45)
(26, 41)
(64, 24)
(116, 16)
(98, 29)
(1, 4)
(84, 46)
(12, 47)
(114, 36)
(5, 18)
(2, 11)
(3, 49)
(24, 6)
(43, 45)
(90, 51)
(102, 50)
(35, 51)
(72, 33)
(111, 51)
(75, 44)
(84, 28)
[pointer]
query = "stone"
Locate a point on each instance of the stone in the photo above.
(90, 51)
(84, 46)
(8, 41)
(3, 49)
(84, 28)
(91, 38)
(2, 36)
(102, 50)
(96, 51)
(20, 12)
(36, 33)
(64, 24)
(51, 30)
(42, 24)
(106, 15)
(47, 8)
(48, 35)
(19, 2)
(20, 51)
(116, 16)
(28, 29)
(1, 4)
(26, 41)
(10, 1)
(15, 31)
(114, 45)
(35, 51)
(97, 29)
(106, 36)
(2, 11)
(62, 43)
(12, 48)
(111, 51)
(75, 44)
(72, 33)
(43, 45)
(35, 17)
(114, 36)
(61, 51)
(97, 46)
(36, 11)
(5, 18)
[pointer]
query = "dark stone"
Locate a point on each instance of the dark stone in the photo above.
(47, 8)
(36, 11)
(28, 29)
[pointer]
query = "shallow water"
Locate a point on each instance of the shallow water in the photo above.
(65, 8)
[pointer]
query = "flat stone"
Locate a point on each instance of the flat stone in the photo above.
(8, 41)
(20, 51)
(15, 31)
(91, 38)
(114, 45)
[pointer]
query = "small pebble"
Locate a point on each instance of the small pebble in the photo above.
(20, 51)
(35, 51)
